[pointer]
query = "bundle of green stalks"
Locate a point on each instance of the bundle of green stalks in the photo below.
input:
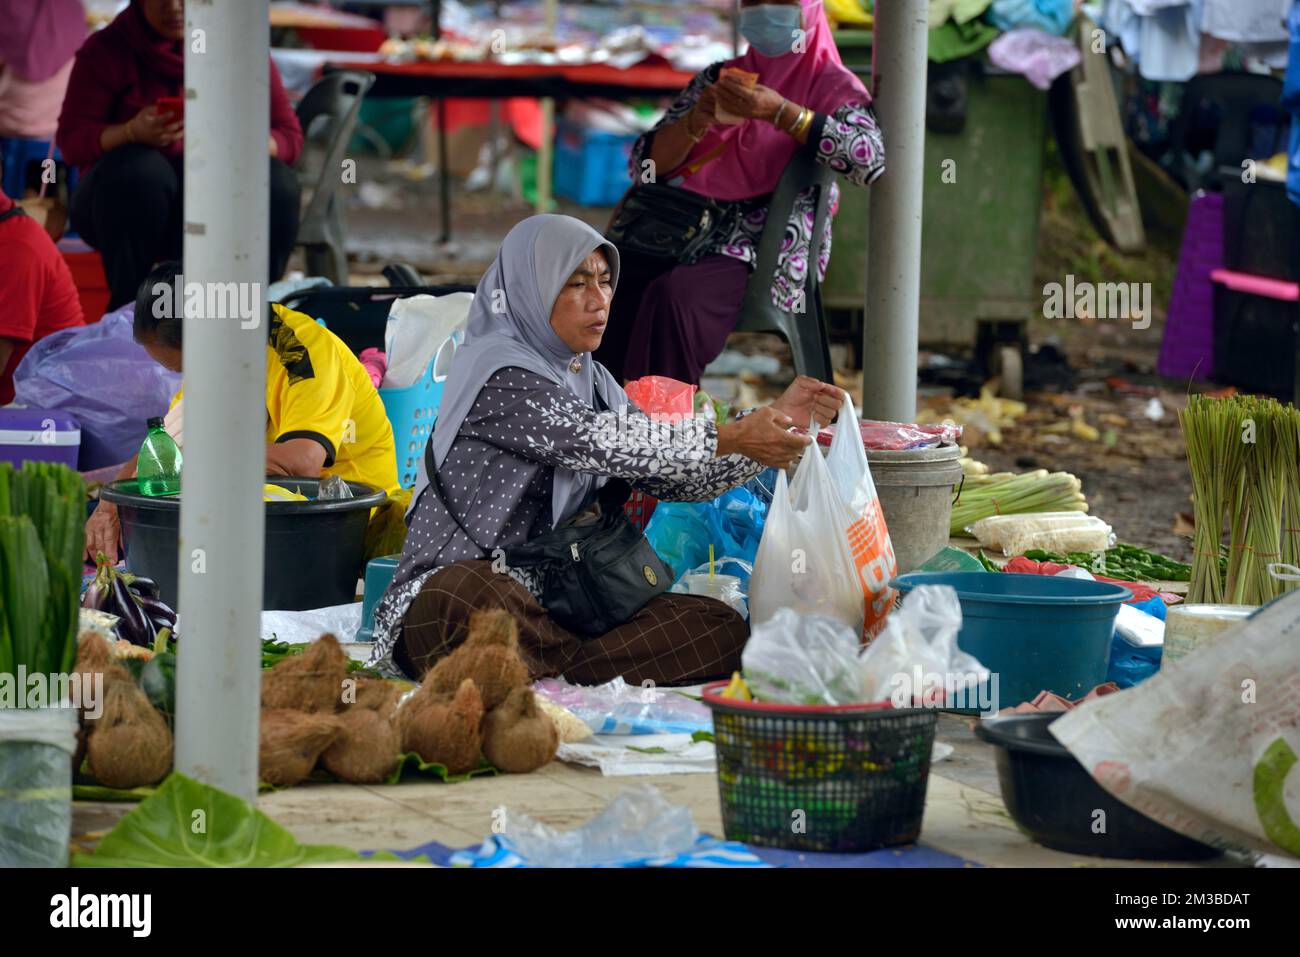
(42, 517)
(1006, 493)
(1244, 456)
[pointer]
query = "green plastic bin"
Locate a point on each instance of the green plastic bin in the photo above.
(979, 234)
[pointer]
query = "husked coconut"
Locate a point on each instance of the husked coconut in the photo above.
(519, 736)
(489, 655)
(443, 728)
(366, 749)
(131, 745)
(311, 681)
(290, 742)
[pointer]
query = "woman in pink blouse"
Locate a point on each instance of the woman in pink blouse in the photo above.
(127, 203)
(729, 140)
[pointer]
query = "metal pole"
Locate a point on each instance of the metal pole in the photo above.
(227, 118)
(890, 326)
(546, 148)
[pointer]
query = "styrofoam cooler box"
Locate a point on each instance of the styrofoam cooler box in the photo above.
(39, 435)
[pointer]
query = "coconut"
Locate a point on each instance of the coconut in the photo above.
(95, 658)
(132, 745)
(376, 694)
(444, 728)
(519, 736)
(311, 681)
(290, 743)
(366, 750)
(489, 655)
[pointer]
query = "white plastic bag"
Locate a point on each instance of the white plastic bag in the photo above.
(863, 522)
(915, 661)
(36, 748)
(1060, 532)
(417, 328)
(1208, 747)
(803, 659)
(804, 562)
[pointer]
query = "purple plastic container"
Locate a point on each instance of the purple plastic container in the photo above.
(39, 435)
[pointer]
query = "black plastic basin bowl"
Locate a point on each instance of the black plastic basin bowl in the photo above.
(1055, 800)
(313, 549)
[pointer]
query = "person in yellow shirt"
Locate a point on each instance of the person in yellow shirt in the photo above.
(323, 414)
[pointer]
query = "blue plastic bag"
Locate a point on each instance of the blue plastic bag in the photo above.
(681, 532)
(100, 374)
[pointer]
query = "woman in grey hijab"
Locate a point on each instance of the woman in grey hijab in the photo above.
(530, 427)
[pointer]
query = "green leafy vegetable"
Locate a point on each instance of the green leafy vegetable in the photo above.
(412, 765)
(162, 832)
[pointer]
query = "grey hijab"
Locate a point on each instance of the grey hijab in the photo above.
(510, 325)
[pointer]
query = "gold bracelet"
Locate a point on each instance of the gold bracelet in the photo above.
(802, 124)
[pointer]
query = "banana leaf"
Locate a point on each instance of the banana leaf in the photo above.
(190, 824)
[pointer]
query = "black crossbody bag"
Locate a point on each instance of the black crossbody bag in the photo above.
(595, 571)
(666, 222)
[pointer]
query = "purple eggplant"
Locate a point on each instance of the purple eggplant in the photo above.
(144, 587)
(135, 626)
(96, 595)
(157, 610)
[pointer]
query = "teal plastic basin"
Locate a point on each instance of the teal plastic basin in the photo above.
(1035, 632)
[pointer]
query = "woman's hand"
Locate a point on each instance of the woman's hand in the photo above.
(751, 102)
(701, 118)
(762, 436)
(154, 127)
(809, 399)
(103, 532)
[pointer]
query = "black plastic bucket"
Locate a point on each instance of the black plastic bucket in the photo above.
(313, 548)
(1055, 800)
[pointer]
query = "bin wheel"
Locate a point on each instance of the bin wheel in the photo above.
(1011, 372)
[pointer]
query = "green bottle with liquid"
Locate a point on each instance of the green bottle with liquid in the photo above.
(158, 467)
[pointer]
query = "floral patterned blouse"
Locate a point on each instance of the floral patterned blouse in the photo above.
(498, 476)
(847, 140)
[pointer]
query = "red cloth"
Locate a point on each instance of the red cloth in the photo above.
(36, 289)
(127, 66)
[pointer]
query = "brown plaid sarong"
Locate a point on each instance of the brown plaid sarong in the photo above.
(675, 639)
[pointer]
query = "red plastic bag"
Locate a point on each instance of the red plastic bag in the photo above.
(659, 395)
(896, 436)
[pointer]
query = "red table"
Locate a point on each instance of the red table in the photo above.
(442, 79)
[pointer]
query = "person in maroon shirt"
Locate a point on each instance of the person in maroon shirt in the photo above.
(128, 202)
(37, 294)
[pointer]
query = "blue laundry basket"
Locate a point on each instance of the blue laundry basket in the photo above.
(413, 409)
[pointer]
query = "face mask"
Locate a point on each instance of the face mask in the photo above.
(770, 28)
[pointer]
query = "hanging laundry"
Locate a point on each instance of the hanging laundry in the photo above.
(1246, 21)
(1051, 16)
(1291, 101)
(1039, 56)
(959, 11)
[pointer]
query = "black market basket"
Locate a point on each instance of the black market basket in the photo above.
(837, 778)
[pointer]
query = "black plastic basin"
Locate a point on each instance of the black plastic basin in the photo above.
(1055, 800)
(313, 549)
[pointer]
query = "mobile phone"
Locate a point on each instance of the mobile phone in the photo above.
(173, 105)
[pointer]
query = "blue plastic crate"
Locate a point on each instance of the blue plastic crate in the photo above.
(591, 165)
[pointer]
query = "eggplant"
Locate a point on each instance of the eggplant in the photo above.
(95, 596)
(135, 625)
(157, 610)
(144, 587)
